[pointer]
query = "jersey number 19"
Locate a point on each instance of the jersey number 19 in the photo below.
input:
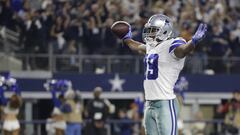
(151, 66)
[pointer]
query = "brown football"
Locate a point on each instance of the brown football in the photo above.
(120, 28)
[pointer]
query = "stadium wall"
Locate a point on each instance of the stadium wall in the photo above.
(204, 89)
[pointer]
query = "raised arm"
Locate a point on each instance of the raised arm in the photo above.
(132, 44)
(16, 90)
(66, 108)
(183, 50)
(2, 97)
(56, 101)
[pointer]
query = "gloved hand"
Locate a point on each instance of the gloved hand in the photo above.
(199, 34)
(128, 35)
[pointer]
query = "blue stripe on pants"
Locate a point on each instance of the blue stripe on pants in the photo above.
(173, 117)
(160, 117)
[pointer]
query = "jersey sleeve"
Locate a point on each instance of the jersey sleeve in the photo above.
(175, 43)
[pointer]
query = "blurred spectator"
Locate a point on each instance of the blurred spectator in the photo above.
(57, 119)
(232, 118)
(134, 115)
(139, 101)
(32, 36)
(109, 40)
(130, 10)
(222, 109)
(220, 113)
(235, 40)
(57, 33)
(32, 32)
(198, 128)
(6, 13)
(186, 31)
(123, 128)
(96, 127)
(219, 48)
(82, 23)
(95, 28)
(235, 44)
(73, 114)
(98, 110)
(10, 107)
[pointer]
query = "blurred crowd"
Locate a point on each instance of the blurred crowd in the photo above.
(70, 116)
(229, 111)
(83, 26)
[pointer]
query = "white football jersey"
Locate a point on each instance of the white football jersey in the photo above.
(162, 68)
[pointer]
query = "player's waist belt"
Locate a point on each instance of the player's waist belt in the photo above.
(157, 103)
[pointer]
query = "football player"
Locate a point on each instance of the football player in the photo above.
(164, 59)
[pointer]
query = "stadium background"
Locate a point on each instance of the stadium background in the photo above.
(71, 39)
